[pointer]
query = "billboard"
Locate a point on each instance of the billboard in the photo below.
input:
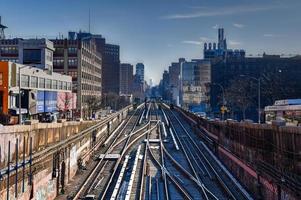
(50, 101)
(40, 101)
(66, 101)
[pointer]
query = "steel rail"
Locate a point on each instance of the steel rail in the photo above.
(223, 184)
(188, 159)
(124, 150)
(177, 184)
(40, 155)
(85, 186)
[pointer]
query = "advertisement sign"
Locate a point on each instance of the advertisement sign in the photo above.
(40, 101)
(66, 101)
(50, 101)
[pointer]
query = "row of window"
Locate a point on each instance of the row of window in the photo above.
(11, 60)
(35, 82)
(9, 50)
(71, 51)
(60, 62)
(91, 87)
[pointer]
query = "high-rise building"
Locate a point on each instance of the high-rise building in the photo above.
(140, 71)
(111, 69)
(126, 78)
(110, 61)
(79, 59)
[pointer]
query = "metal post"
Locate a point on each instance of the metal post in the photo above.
(23, 165)
(16, 168)
(30, 163)
(8, 172)
(20, 114)
(259, 121)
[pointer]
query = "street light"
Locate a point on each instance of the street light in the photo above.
(258, 80)
(223, 91)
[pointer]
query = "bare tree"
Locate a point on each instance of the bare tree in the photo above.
(93, 104)
(239, 94)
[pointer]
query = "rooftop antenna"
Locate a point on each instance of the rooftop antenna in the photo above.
(2, 27)
(89, 20)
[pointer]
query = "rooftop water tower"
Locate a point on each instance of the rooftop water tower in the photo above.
(2, 27)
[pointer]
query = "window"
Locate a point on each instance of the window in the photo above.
(41, 82)
(31, 56)
(72, 50)
(60, 85)
(54, 84)
(34, 82)
(58, 62)
(48, 83)
(64, 85)
(24, 81)
(72, 61)
(49, 56)
(68, 86)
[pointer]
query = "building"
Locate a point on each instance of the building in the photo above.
(77, 58)
(37, 53)
(40, 90)
(195, 77)
(80, 59)
(138, 89)
(212, 51)
(140, 71)
(111, 68)
(280, 79)
(110, 54)
(165, 87)
(174, 80)
(126, 78)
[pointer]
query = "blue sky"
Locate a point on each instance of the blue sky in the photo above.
(158, 32)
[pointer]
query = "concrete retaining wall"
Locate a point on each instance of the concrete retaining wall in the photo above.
(72, 141)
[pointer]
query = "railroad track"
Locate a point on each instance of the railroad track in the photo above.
(159, 158)
(208, 171)
(99, 175)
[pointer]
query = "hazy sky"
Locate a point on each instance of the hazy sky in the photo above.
(158, 32)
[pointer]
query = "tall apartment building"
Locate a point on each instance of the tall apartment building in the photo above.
(80, 59)
(111, 68)
(110, 61)
(126, 78)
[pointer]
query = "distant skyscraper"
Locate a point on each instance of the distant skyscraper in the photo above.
(140, 71)
(126, 78)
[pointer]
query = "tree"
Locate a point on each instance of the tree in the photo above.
(93, 104)
(239, 95)
(277, 84)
